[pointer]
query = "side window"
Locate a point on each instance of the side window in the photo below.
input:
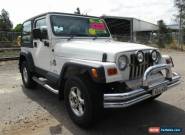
(26, 33)
(40, 24)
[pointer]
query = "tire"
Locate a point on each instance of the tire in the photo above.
(90, 101)
(27, 76)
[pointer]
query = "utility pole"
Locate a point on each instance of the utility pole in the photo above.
(180, 26)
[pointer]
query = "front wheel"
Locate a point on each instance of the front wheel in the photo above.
(82, 101)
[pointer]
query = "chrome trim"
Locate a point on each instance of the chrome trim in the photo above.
(153, 86)
(43, 84)
(121, 100)
(172, 85)
(157, 68)
(127, 103)
(124, 96)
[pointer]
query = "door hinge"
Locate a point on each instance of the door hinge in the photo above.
(54, 62)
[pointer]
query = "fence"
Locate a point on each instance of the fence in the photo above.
(9, 48)
(137, 39)
(9, 37)
(151, 39)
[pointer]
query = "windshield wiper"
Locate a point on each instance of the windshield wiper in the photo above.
(95, 37)
(70, 37)
(75, 35)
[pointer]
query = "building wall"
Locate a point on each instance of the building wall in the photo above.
(139, 25)
(130, 29)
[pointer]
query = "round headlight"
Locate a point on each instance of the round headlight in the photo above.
(155, 56)
(122, 62)
(140, 56)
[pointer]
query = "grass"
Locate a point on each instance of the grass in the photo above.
(9, 53)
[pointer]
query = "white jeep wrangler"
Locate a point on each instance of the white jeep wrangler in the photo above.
(75, 57)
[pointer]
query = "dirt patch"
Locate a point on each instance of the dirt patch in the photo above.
(28, 125)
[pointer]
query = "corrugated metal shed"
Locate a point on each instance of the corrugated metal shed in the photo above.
(130, 29)
(139, 25)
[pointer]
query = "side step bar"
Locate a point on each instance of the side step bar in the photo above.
(45, 85)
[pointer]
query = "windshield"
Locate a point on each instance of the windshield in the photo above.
(78, 26)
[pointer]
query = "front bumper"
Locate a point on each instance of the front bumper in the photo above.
(122, 100)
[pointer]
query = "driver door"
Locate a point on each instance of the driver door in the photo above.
(41, 48)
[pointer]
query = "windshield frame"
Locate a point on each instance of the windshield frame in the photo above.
(67, 36)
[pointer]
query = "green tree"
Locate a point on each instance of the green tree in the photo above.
(18, 28)
(5, 22)
(180, 4)
(164, 36)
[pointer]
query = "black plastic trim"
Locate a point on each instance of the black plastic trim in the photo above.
(51, 77)
(29, 58)
(87, 68)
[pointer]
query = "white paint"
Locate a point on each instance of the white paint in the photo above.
(94, 49)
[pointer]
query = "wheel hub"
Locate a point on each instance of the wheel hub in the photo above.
(25, 74)
(76, 101)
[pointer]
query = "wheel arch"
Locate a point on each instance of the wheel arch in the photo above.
(72, 69)
(27, 56)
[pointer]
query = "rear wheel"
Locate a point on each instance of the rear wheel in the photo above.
(27, 76)
(83, 103)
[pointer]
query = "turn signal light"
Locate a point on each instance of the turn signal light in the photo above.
(112, 71)
(94, 73)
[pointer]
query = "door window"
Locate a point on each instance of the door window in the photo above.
(40, 24)
(26, 34)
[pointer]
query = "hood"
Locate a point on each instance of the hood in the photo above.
(94, 49)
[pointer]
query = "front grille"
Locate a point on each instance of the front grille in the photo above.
(137, 69)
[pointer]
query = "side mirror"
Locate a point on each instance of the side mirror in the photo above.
(40, 33)
(37, 34)
(44, 33)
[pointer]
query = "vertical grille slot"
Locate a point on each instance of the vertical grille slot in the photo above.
(137, 69)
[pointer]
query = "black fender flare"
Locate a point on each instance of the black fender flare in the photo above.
(85, 68)
(28, 57)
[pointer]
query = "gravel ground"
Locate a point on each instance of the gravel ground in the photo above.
(38, 112)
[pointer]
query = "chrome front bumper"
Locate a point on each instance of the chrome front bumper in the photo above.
(122, 100)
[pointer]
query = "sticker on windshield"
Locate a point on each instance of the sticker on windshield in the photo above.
(58, 29)
(97, 26)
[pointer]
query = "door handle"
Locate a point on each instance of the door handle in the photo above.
(35, 44)
(46, 43)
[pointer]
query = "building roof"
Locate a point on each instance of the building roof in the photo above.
(173, 26)
(126, 18)
(138, 25)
